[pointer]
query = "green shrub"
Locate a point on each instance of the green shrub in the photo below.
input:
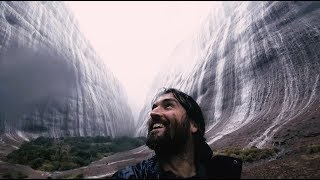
(248, 154)
(36, 163)
(7, 175)
(67, 166)
(43, 141)
(313, 149)
(47, 167)
(49, 154)
(20, 175)
(14, 175)
(79, 176)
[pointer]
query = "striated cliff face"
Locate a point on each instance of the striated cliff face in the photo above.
(52, 82)
(254, 70)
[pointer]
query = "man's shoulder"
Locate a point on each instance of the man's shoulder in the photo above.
(137, 171)
(225, 167)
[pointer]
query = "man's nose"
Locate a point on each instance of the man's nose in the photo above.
(156, 113)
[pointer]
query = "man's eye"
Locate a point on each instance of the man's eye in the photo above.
(153, 107)
(168, 105)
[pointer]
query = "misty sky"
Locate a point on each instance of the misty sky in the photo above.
(135, 38)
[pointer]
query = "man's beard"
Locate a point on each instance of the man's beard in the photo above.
(171, 140)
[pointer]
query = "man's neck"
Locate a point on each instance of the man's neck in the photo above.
(181, 164)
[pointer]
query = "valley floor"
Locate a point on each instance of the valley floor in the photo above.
(293, 166)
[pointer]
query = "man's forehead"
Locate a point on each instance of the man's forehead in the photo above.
(167, 96)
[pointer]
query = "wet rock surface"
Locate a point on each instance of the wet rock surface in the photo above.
(53, 83)
(255, 72)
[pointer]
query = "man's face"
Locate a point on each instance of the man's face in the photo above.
(168, 124)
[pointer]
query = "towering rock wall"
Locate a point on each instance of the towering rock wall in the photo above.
(52, 82)
(255, 72)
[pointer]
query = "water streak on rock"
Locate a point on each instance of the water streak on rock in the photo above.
(255, 70)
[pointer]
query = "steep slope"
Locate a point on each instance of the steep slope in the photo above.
(53, 83)
(255, 72)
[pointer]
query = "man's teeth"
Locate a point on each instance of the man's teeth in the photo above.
(157, 125)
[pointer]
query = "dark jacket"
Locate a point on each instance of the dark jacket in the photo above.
(207, 167)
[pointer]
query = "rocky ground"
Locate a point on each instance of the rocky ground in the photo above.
(291, 166)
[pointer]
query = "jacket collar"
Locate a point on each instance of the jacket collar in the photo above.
(203, 155)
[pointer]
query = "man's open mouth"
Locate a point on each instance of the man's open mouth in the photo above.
(157, 126)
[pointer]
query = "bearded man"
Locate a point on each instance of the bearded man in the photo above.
(176, 134)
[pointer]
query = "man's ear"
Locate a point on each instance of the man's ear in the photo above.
(193, 126)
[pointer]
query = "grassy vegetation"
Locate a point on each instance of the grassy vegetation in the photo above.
(313, 149)
(49, 154)
(255, 154)
(71, 176)
(248, 154)
(13, 175)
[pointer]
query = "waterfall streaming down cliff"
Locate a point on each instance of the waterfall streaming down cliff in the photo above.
(255, 72)
(52, 82)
